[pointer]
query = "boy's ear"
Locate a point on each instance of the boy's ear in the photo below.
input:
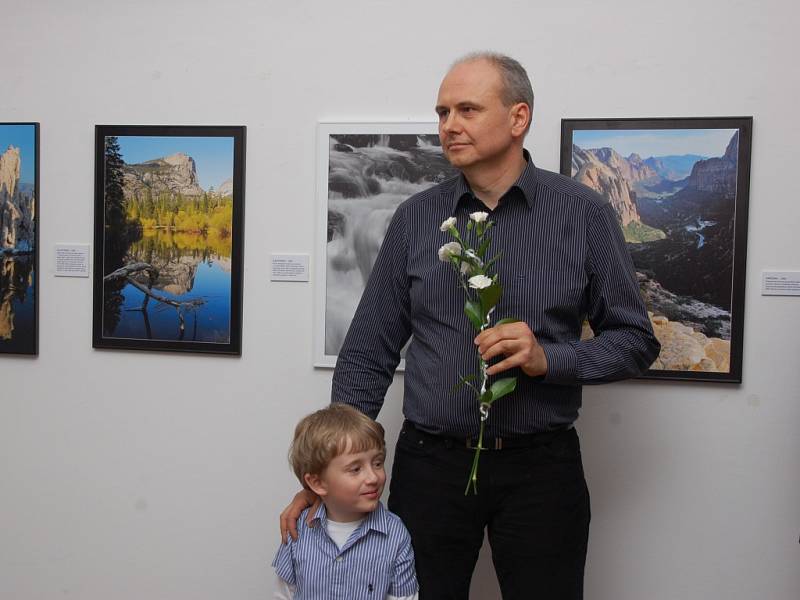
(315, 484)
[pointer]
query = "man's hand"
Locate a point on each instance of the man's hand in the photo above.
(517, 343)
(291, 513)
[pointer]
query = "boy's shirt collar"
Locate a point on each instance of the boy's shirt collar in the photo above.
(377, 520)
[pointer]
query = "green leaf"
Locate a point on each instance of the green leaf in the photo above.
(473, 312)
(487, 397)
(493, 260)
(484, 247)
(490, 296)
(466, 381)
(469, 259)
(503, 387)
(506, 321)
(469, 226)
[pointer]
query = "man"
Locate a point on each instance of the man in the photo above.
(563, 259)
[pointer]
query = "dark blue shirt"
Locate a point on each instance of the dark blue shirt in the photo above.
(563, 260)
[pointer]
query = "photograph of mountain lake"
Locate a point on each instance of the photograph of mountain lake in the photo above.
(168, 235)
(680, 191)
(19, 196)
(371, 169)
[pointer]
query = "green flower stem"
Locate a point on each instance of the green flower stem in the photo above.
(473, 474)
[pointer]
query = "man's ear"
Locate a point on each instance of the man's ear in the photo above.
(520, 117)
(315, 484)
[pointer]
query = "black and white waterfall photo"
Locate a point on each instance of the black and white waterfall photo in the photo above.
(369, 176)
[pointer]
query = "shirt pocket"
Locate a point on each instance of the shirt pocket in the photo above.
(375, 581)
(552, 302)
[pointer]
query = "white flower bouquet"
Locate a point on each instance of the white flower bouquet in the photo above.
(468, 254)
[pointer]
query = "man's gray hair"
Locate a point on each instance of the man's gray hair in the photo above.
(516, 83)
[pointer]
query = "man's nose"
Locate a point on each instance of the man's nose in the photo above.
(450, 122)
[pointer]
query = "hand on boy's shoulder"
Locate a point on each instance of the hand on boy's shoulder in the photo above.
(291, 514)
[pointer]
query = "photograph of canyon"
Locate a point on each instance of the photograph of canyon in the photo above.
(674, 192)
(168, 230)
(369, 175)
(18, 201)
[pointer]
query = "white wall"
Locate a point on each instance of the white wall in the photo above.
(135, 475)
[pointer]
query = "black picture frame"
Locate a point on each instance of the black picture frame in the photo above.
(19, 262)
(152, 210)
(689, 245)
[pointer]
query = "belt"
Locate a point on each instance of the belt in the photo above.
(489, 442)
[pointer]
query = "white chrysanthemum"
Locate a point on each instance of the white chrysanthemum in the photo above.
(449, 250)
(480, 282)
(447, 224)
(479, 217)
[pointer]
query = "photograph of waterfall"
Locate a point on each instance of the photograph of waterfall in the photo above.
(680, 191)
(364, 172)
(19, 238)
(169, 206)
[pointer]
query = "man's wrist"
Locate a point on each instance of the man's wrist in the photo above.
(537, 367)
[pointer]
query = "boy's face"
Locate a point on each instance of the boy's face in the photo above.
(351, 484)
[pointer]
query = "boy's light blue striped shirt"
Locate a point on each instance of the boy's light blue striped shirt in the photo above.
(375, 562)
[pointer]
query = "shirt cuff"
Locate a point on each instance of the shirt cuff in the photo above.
(562, 363)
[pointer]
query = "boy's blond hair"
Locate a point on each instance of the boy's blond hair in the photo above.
(323, 435)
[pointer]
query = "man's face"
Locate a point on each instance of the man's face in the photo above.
(352, 483)
(475, 127)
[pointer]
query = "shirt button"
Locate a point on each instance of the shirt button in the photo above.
(339, 559)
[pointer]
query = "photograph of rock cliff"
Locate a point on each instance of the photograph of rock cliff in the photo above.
(18, 237)
(676, 193)
(167, 275)
(368, 176)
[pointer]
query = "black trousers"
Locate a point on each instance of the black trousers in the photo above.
(533, 500)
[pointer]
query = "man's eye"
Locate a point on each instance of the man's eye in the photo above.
(355, 469)
(442, 114)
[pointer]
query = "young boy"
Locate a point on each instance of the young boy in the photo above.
(354, 548)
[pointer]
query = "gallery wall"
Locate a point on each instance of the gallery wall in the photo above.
(153, 475)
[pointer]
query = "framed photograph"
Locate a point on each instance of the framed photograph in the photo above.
(364, 172)
(168, 238)
(680, 191)
(19, 238)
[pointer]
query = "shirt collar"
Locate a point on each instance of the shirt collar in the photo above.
(526, 183)
(376, 520)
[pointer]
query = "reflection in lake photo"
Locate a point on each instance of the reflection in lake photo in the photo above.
(168, 241)
(18, 238)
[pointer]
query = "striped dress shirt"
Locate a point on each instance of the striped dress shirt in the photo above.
(376, 561)
(563, 260)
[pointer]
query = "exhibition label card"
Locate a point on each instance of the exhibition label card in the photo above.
(780, 283)
(72, 260)
(290, 267)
